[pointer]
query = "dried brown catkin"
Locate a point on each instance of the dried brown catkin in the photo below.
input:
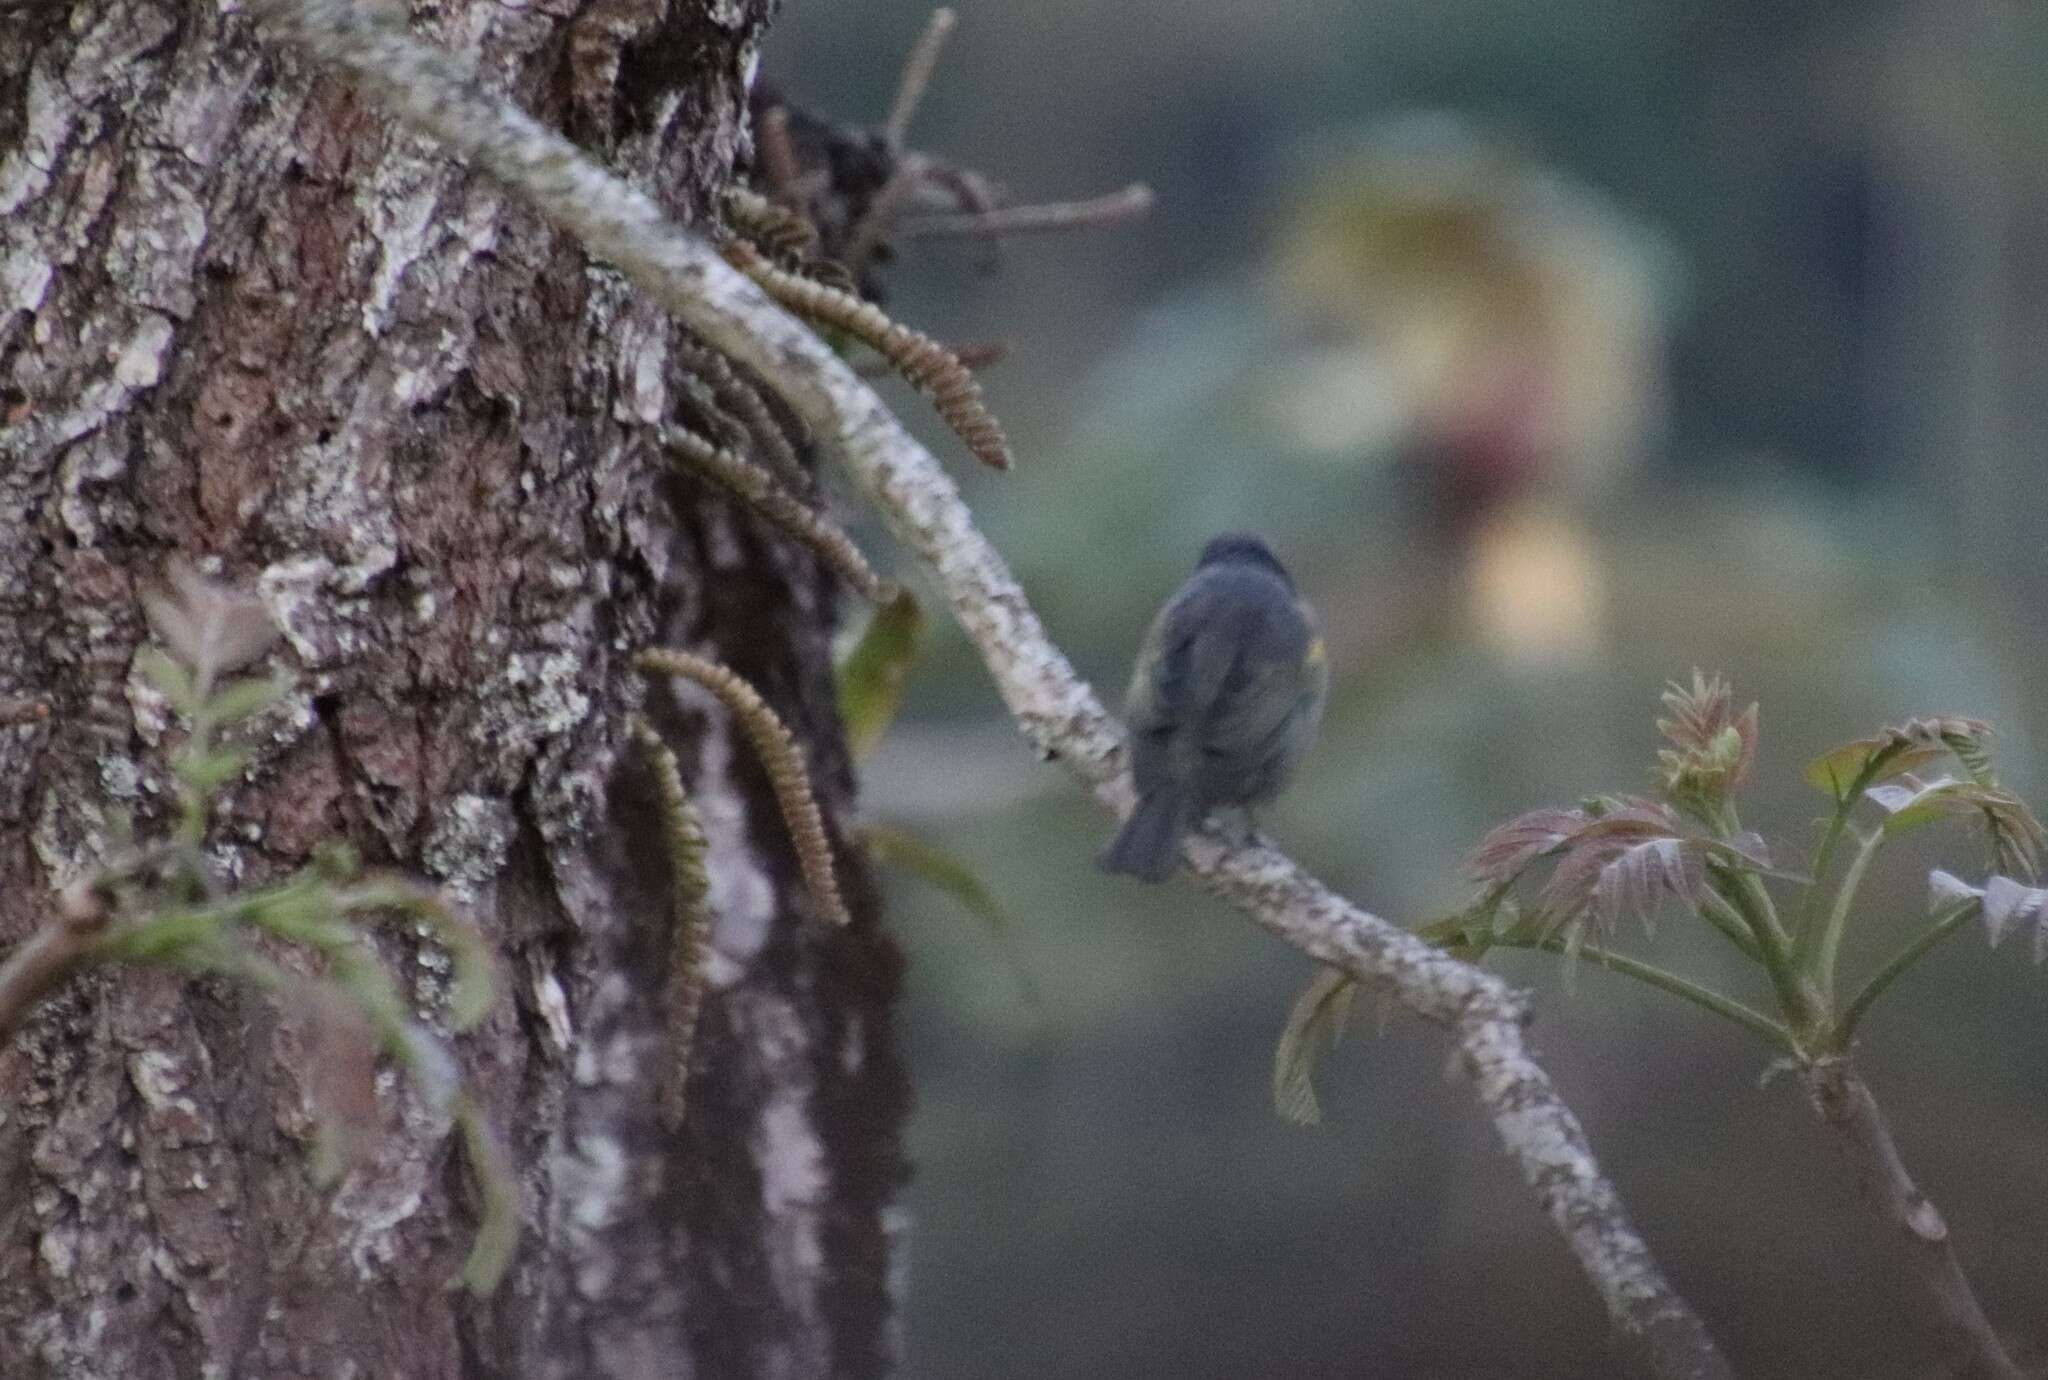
(929, 366)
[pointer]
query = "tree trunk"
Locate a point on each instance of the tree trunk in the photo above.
(244, 319)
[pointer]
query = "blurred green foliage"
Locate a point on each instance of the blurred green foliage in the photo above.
(1768, 240)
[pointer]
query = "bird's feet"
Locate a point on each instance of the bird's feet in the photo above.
(1237, 826)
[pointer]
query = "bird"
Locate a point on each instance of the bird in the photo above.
(1226, 694)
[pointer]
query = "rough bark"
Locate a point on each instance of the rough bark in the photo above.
(244, 318)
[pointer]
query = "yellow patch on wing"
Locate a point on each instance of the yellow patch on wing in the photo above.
(1317, 653)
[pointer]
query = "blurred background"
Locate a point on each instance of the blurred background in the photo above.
(1560, 349)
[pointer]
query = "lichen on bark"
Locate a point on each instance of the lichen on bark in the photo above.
(245, 319)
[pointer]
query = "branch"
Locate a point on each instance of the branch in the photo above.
(1916, 1231)
(917, 75)
(1727, 1008)
(1057, 711)
(42, 961)
(1134, 200)
(1895, 968)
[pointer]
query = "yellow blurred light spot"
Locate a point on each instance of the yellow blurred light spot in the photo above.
(1534, 586)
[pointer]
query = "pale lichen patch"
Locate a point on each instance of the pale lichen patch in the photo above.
(538, 695)
(398, 213)
(58, 1248)
(120, 776)
(68, 838)
(139, 364)
(740, 893)
(553, 1005)
(374, 1213)
(467, 845)
(24, 278)
(593, 1180)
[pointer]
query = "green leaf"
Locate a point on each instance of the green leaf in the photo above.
(873, 675)
(162, 937)
(497, 1229)
(1852, 767)
(1313, 1026)
(239, 699)
(2017, 839)
(207, 772)
(169, 679)
(893, 846)
(1865, 761)
(209, 627)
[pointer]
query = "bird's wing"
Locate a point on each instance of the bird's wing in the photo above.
(1260, 695)
(1182, 669)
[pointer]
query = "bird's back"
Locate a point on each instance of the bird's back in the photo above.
(1218, 708)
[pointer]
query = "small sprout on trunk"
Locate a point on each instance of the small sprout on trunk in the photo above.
(159, 903)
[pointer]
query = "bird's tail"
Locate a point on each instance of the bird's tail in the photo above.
(1148, 846)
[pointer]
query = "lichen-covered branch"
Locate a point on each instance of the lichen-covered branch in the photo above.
(1057, 711)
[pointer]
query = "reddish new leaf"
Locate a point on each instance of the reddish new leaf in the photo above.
(1503, 853)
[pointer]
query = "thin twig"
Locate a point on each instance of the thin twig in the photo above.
(779, 164)
(917, 75)
(980, 354)
(39, 963)
(878, 220)
(1057, 711)
(1128, 204)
